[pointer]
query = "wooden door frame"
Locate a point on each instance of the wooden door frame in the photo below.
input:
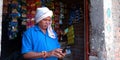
(86, 28)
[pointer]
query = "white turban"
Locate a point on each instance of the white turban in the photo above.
(42, 13)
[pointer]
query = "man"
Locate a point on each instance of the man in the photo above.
(40, 42)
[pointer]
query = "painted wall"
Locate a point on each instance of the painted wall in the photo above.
(116, 27)
(1, 4)
(109, 30)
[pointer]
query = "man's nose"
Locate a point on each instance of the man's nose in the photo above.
(48, 22)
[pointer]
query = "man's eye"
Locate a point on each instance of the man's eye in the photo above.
(45, 19)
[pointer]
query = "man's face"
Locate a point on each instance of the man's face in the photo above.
(43, 24)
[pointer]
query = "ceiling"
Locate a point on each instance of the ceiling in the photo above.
(72, 1)
(69, 3)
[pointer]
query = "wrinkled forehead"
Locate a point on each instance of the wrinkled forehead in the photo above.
(47, 19)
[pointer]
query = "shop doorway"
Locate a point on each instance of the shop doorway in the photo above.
(73, 21)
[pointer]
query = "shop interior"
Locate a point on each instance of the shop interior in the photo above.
(68, 22)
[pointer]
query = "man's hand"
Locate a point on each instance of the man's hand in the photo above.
(57, 52)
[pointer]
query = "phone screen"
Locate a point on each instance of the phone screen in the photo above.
(64, 50)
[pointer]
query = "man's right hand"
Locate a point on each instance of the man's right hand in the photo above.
(57, 53)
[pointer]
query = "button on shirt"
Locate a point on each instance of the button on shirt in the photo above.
(34, 40)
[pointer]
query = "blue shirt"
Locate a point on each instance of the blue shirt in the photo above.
(34, 40)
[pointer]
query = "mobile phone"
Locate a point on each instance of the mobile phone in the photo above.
(64, 50)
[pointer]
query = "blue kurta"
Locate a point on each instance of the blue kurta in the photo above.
(34, 40)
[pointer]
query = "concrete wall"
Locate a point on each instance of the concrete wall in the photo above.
(116, 27)
(97, 42)
(109, 30)
(105, 30)
(1, 4)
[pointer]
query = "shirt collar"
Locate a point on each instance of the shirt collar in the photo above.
(37, 28)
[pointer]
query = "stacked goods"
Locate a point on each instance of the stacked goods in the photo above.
(14, 14)
(31, 10)
(20, 15)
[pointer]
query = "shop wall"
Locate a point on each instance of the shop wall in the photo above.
(112, 29)
(115, 12)
(109, 30)
(1, 4)
(97, 41)
(105, 30)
